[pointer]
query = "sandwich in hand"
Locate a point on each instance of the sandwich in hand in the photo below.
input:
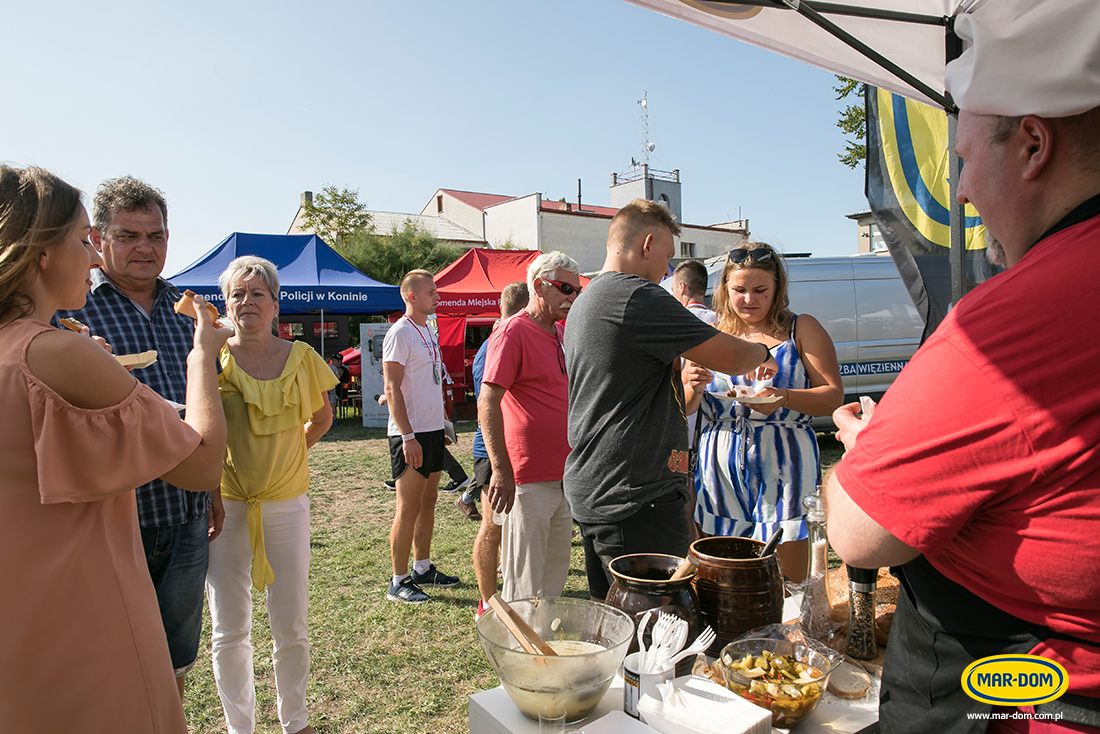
(186, 306)
(72, 324)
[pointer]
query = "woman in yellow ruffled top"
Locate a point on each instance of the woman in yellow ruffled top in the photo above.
(274, 395)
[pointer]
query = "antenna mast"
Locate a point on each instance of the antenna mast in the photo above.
(647, 147)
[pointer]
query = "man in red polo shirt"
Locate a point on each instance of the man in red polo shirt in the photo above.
(523, 411)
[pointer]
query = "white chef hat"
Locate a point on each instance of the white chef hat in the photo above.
(1028, 57)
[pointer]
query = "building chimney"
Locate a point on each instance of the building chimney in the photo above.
(307, 198)
(578, 194)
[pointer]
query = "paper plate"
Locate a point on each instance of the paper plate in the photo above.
(765, 400)
(137, 361)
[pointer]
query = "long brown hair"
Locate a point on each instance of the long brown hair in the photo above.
(37, 211)
(779, 317)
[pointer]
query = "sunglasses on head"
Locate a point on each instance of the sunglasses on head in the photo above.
(567, 289)
(760, 255)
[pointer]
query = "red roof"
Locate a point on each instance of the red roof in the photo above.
(476, 200)
(568, 206)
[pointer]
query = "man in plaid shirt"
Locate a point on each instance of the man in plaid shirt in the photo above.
(131, 307)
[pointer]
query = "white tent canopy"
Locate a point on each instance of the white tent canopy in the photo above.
(909, 33)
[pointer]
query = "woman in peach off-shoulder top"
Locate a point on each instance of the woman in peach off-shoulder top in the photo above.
(82, 646)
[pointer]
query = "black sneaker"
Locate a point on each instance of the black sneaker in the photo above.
(453, 486)
(390, 485)
(433, 577)
(407, 591)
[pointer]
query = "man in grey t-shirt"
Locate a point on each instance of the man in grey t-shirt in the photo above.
(626, 476)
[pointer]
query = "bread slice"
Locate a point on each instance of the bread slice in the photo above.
(186, 306)
(849, 681)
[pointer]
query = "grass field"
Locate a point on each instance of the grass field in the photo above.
(378, 666)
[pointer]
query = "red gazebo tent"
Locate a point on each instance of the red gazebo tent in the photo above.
(469, 291)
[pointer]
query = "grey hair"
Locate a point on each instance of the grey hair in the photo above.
(548, 262)
(246, 266)
(125, 194)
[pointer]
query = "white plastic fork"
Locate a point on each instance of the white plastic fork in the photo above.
(669, 635)
(641, 641)
(702, 642)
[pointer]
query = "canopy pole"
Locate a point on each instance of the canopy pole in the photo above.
(840, 34)
(952, 50)
(322, 333)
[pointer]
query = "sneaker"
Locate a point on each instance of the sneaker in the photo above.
(407, 591)
(469, 509)
(453, 486)
(390, 485)
(433, 577)
(481, 609)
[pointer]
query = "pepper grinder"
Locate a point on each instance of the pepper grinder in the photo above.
(861, 612)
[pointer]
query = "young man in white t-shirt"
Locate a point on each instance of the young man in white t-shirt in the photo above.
(412, 367)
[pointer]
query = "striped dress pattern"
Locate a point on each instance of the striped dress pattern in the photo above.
(754, 470)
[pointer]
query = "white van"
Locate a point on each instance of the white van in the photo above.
(864, 306)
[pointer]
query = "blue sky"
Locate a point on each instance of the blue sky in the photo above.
(234, 108)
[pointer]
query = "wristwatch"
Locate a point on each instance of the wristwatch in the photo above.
(767, 352)
(406, 437)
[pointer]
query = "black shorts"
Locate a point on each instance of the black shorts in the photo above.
(433, 447)
(483, 472)
(659, 526)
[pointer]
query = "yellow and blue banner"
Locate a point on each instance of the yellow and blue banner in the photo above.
(909, 189)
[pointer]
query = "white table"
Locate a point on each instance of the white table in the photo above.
(492, 711)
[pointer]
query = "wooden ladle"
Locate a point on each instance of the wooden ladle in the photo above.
(528, 639)
(685, 569)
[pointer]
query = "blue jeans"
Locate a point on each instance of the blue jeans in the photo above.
(178, 556)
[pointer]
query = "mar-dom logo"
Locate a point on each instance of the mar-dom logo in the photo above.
(1014, 680)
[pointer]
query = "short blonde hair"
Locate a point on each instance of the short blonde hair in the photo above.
(247, 266)
(408, 283)
(513, 298)
(635, 220)
(548, 262)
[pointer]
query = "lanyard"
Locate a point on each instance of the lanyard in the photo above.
(429, 344)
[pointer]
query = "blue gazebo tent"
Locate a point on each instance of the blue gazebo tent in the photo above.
(313, 278)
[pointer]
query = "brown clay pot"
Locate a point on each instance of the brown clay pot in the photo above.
(738, 591)
(642, 584)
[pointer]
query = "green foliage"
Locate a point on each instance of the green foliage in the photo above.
(853, 121)
(388, 257)
(337, 215)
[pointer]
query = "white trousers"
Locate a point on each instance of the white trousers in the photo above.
(535, 542)
(229, 590)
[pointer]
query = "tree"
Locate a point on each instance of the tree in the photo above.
(853, 121)
(387, 258)
(337, 216)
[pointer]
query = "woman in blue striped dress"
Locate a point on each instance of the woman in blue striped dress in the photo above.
(758, 460)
